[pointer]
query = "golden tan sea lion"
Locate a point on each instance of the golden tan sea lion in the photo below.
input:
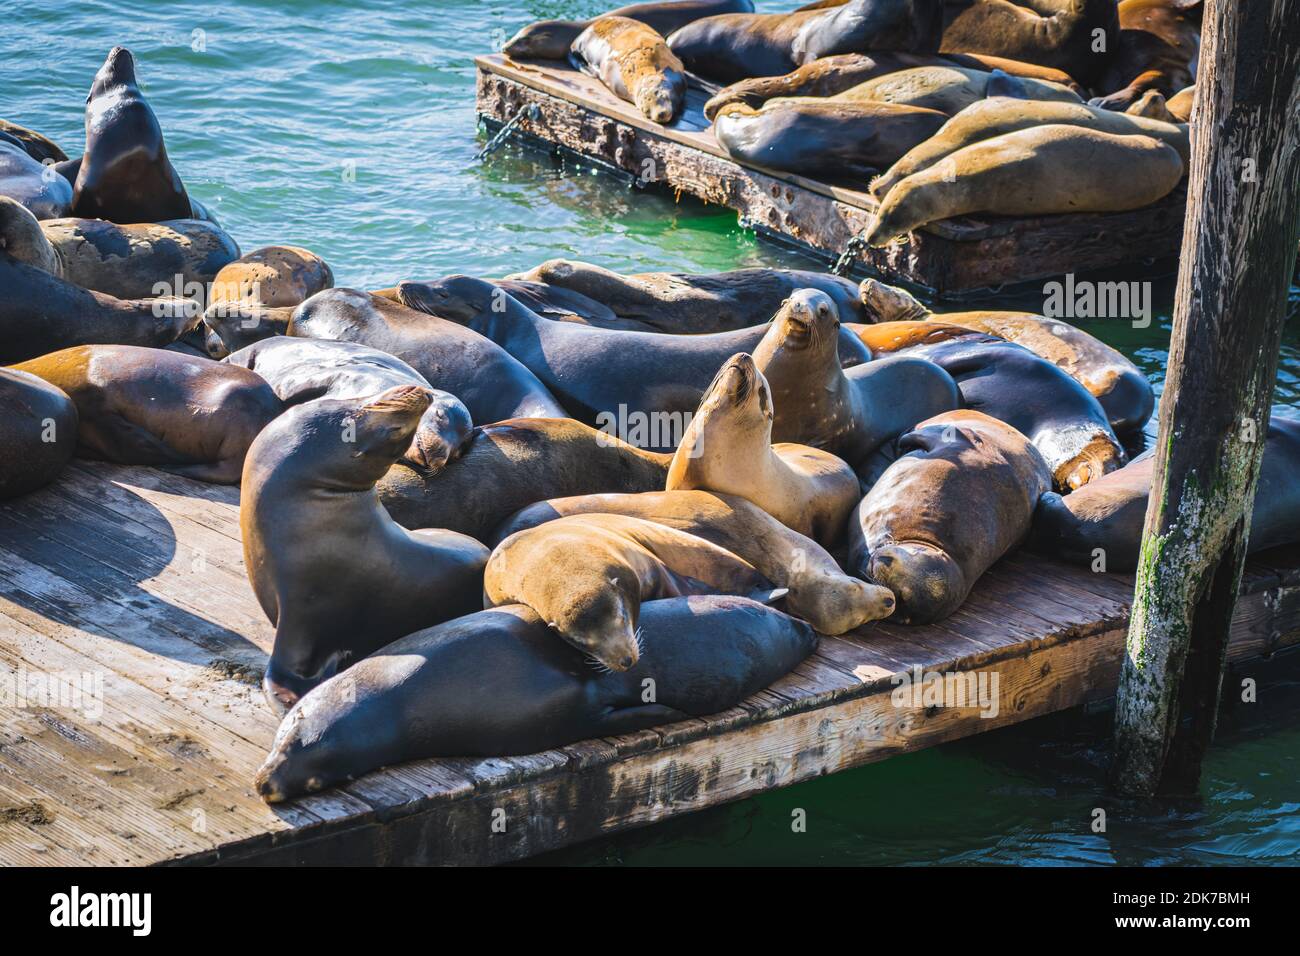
(1159, 46)
(635, 64)
(273, 277)
(1180, 104)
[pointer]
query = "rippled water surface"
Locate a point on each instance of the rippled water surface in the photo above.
(267, 107)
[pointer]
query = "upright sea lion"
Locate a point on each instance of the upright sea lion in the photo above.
(1159, 46)
(305, 370)
(599, 373)
(1109, 513)
(24, 179)
(849, 413)
(512, 464)
(125, 175)
(38, 432)
(960, 496)
(1000, 115)
(38, 147)
(142, 406)
(728, 448)
(551, 39)
(1055, 33)
(41, 312)
(587, 575)
(493, 385)
(635, 64)
(824, 137)
(950, 89)
(334, 573)
(740, 45)
(272, 277)
(1032, 172)
(498, 683)
(820, 592)
(691, 303)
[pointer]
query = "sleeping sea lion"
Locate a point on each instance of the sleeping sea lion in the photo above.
(950, 89)
(38, 147)
(272, 277)
(1159, 48)
(635, 64)
(38, 432)
(26, 180)
(551, 39)
(334, 573)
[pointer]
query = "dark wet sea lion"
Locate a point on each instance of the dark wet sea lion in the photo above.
(950, 89)
(635, 64)
(1109, 513)
(334, 573)
(742, 45)
(125, 175)
(493, 385)
(551, 39)
(25, 180)
(728, 448)
(824, 137)
(960, 496)
(1159, 46)
(38, 432)
(512, 464)
(272, 277)
(305, 370)
(686, 302)
(587, 575)
(1055, 33)
(498, 683)
(848, 413)
(143, 406)
(820, 593)
(38, 147)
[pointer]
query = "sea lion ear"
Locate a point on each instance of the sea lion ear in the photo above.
(1001, 83)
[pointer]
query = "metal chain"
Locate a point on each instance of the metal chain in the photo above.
(855, 245)
(532, 111)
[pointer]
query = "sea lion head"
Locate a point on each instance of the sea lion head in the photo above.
(22, 238)
(442, 434)
(601, 620)
(661, 98)
(889, 303)
(544, 40)
(457, 298)
(838, 604)
(118, 70)
(808, 320)
(739, 395)
(925, 580)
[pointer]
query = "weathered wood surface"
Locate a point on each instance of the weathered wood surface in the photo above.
(577, 113)
(136, 576)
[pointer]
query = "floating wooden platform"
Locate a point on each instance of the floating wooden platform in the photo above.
(577, 114)
(135, 577)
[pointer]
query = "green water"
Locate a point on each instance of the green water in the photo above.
(266, 108)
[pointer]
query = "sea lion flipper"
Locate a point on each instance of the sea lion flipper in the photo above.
(625, 720)
(768, 596)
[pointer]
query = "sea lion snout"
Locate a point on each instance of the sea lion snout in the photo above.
(926, 582)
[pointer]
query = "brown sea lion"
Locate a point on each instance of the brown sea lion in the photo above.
(1032, 172)
(125, 175)
(1108, 514)
(959, 496)
(635, 64)
(272, 277)
(587, 575)
(142, 406)
(493, 385)
(847, 413)
(38, 432)
(1180, 104)
(728, 449)
(551, 39)
(740, 45)
(510, 465)
(1000, 115)
(38, 147)
(333, 572)
(1159, 46)
(26, 180)
(820, 592)
(228, 327)
(498, 683)
(1056, 33)
(950, 89)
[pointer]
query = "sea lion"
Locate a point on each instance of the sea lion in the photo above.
(1032, 172)
(1119, 385)
(1159, 46)
(38, 432)
(142, 406)
(950, 89)
(1055, 33)
(26, 180)
(493, 385)
(125, 175)
(1001, 115)
(635, 64)
(960, 495)
(823, 137)
(510, 465)
(228, 327)
(272, 277)
(741, 45)
(1180, 104)
(41, 312)
(1109, 513)
(551, 39)
(820, 593)
(136, 261)
(498, 683)
(304, 370)
(848, 414)
(728, 448)
(38, 147)
(692, 303)
(587, 575)
(334, 573)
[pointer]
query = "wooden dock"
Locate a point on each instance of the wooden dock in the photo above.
(575, 113)
(131, 581)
